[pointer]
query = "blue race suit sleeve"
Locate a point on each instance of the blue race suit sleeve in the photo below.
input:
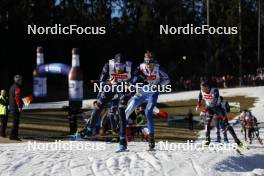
(164, 78)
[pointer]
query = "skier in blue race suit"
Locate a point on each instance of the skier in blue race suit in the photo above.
(225, 124)
(148, 73)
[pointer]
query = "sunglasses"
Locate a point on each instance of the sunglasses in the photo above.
(148, 61)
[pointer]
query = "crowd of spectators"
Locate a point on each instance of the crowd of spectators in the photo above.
(226, 81)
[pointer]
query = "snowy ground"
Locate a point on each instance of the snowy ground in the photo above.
(15, 159)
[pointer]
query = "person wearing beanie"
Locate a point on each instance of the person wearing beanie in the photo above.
(15, 106)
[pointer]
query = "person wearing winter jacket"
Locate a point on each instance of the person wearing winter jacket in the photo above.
(3, 112)
(15, 105)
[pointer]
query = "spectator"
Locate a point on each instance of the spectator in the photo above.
(225, 81)
(3, 112)
(15, 105)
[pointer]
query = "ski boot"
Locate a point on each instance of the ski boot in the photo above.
(218, 139)
(122, 144)
(207, 141)
(151, 142)
(226, 140)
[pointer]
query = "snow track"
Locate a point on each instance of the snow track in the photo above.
(15, 159)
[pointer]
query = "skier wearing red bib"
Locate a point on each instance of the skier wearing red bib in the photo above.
(251, 123)
(212, 107)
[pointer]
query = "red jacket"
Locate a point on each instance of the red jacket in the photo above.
(15, 100)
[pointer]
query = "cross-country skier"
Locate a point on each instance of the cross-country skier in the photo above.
(219, 124)
(149, 74)
(251, 123)
(241, 118)
(211, 96)
(225, 125)
(115, 72)
(224, 120)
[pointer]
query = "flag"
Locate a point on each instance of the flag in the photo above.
(27, 100)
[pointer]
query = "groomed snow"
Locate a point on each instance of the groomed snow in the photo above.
(15, 159)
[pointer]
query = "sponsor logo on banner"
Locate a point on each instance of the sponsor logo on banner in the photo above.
(75, 90)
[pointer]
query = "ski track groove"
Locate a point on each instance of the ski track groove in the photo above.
(138, 161)
(112, 164)
(99, 169)
(158, 160)
(149, 159)
(194, 166)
